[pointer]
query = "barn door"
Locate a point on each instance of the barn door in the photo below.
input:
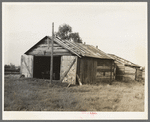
(27, 66)
(66, 63)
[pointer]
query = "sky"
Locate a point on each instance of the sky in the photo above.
(116, 28)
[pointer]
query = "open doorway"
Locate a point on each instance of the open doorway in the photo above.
(41, 67)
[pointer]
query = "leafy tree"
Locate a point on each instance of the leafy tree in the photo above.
(65, 32)
(75, 37)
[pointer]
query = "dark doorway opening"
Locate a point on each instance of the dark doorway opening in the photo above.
(42, 67)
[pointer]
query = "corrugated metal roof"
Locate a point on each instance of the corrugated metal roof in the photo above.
(78, 49)
(123, 61)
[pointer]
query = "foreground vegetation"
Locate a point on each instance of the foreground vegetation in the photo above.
(27, 94)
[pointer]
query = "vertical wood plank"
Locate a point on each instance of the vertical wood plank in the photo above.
(136, 74)
(111, 73)
(95, 66)
(51, 65)
(114, 71)
(81, 70)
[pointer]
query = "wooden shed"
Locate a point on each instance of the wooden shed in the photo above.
(126, 70)
(72, 62)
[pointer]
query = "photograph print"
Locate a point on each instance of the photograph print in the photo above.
(89, 58)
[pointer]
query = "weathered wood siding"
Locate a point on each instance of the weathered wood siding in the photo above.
(105, 70)
(44, 49)
(138, 74)
(120, 70)
(143, 74)
(86, 70)
(92, 70)
(125, 72)
(27, 66)
(130, 73)
(65, 64)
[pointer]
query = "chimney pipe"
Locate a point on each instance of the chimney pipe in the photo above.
(84, 43)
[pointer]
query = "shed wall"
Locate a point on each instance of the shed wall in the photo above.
(138, 74)
(105, 70)
(92, 70)
(125, 72)
(143, 74)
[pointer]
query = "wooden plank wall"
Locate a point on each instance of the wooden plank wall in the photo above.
(143, 74)
(138, 74)
(65, 64)
(125, 72)
(91, 70)
(42, 49)
(105, 70)
(120, 70)
(86, 70)
(130, 73)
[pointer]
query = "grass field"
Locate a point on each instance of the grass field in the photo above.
(27, 94)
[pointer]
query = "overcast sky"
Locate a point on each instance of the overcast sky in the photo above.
(117, 28)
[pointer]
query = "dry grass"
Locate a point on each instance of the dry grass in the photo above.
(34, 95)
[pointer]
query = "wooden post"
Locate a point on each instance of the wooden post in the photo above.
(51, 66)
(136, 74)
(115, 71)
(79, 80)
(111, 74)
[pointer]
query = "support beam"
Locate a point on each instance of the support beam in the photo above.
(111, 74)
(51, 66)
(79, 80)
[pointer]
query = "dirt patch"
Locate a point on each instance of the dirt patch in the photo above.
(28, 94)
